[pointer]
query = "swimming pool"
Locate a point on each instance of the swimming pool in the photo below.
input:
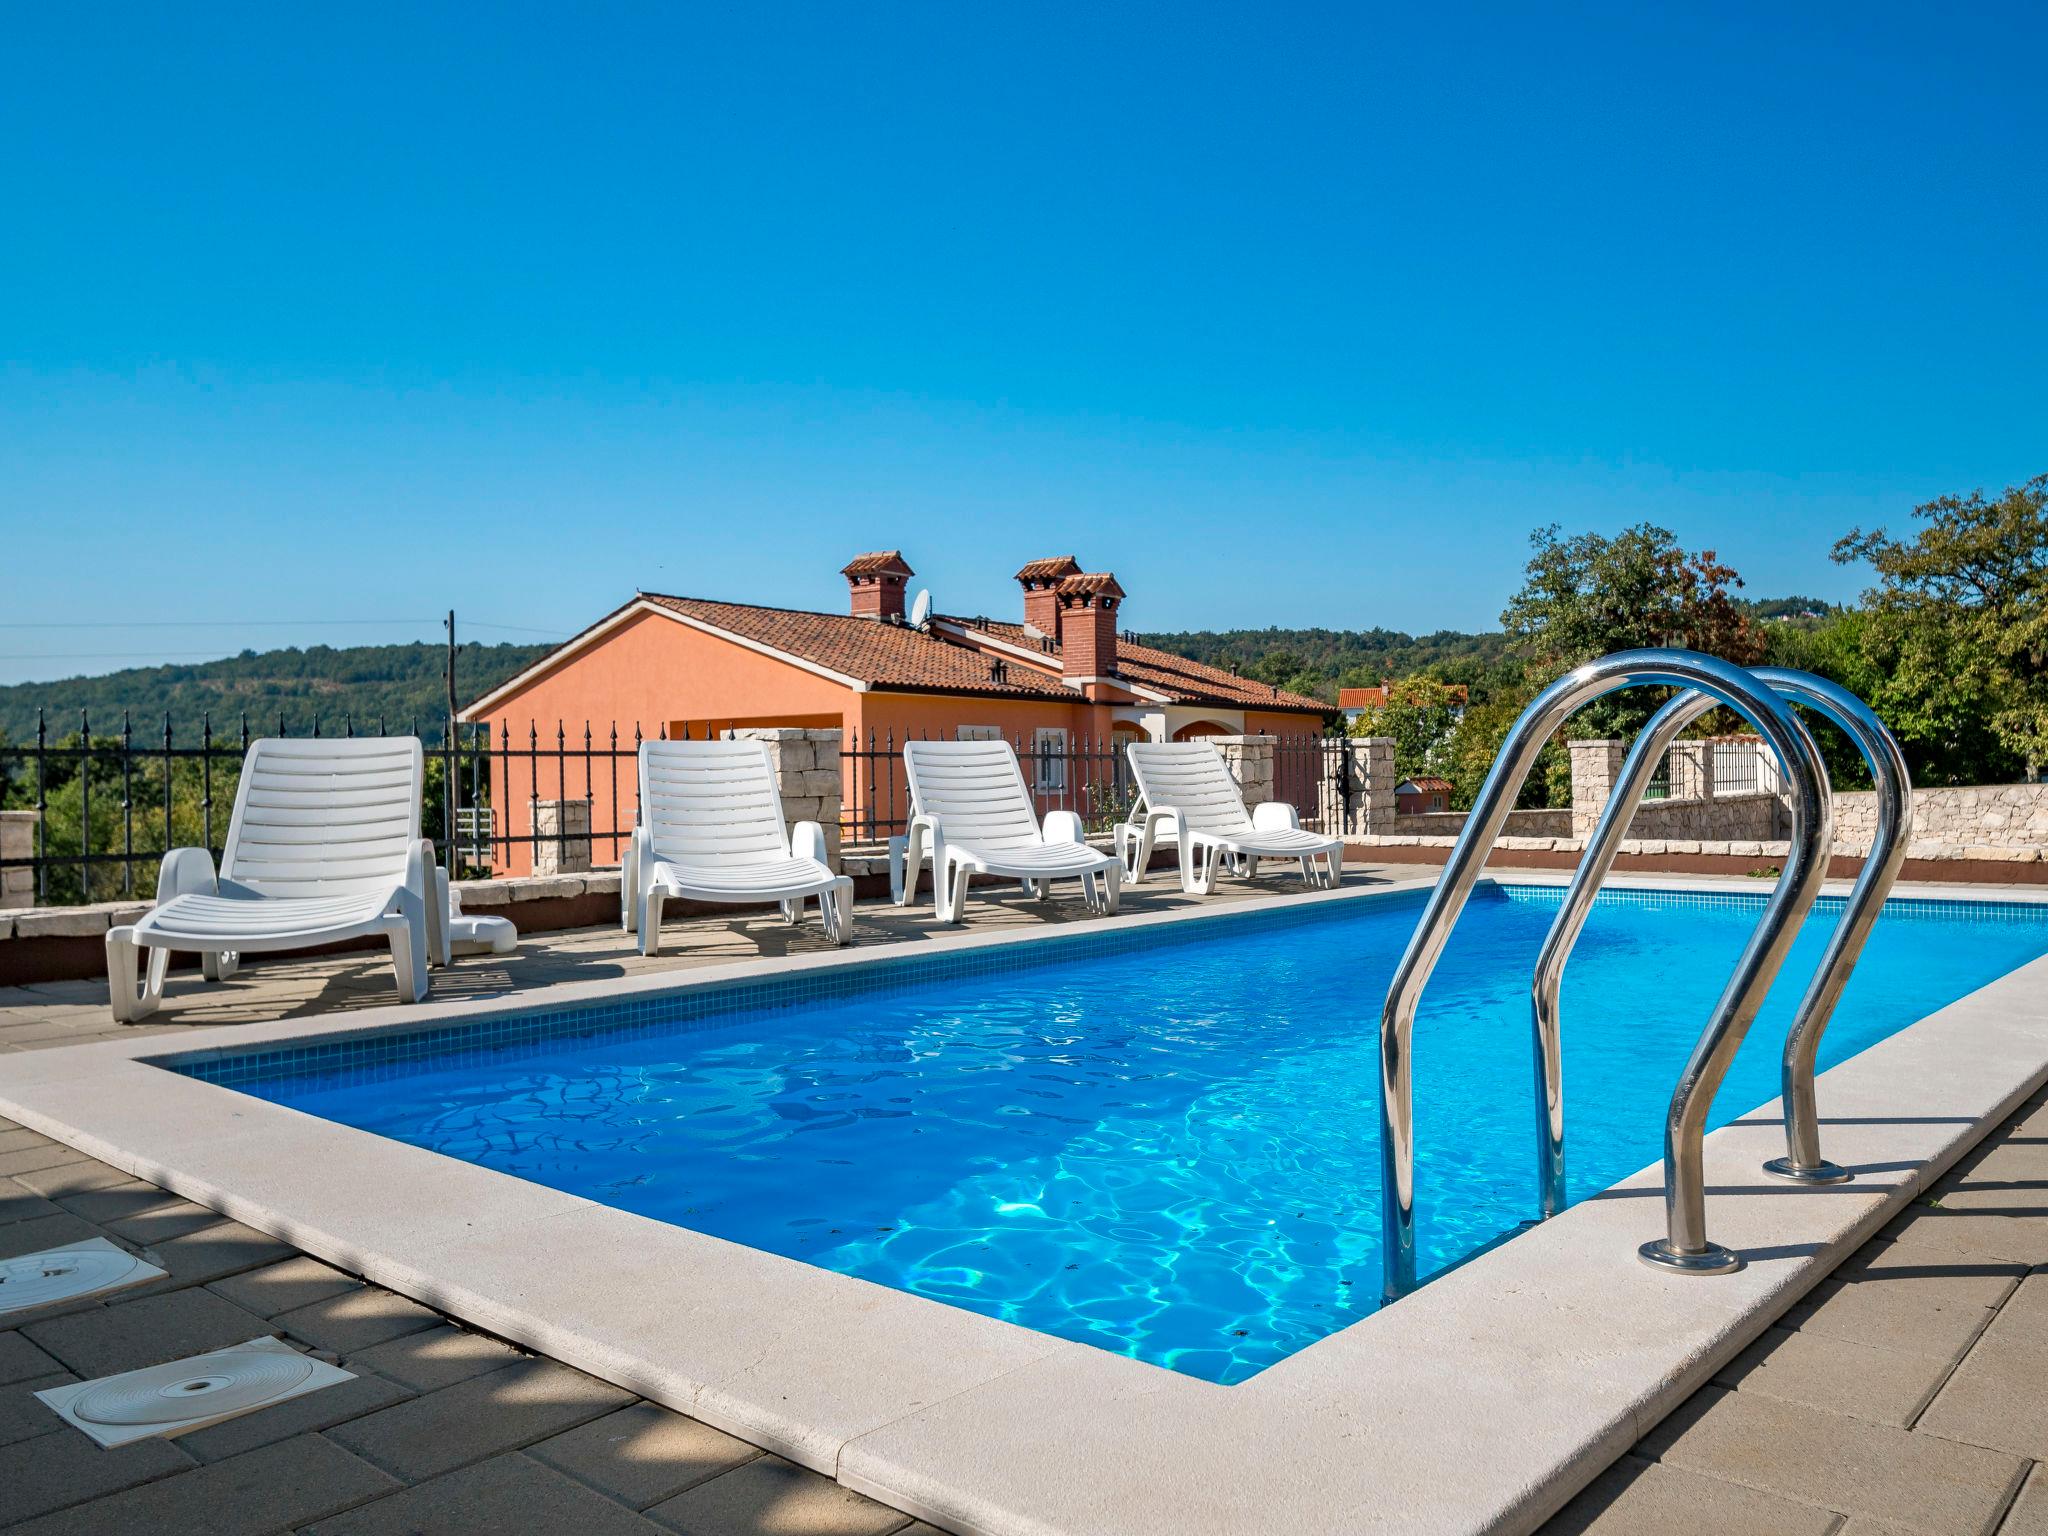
(1159, 1141)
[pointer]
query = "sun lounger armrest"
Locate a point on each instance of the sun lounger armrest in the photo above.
(1064, 827)
(1275, 816)
(185, 872)
(1153, 818)
(807, 841)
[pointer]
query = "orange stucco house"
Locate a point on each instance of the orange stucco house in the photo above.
(1059, 679)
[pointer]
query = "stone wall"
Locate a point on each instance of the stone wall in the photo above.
(562, 830)
(806, 764)
(17, 841)
(1971, 816)
(1250, 761)
(1726, 818)
(1539, 822)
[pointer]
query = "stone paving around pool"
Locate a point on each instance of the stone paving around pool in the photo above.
(1908, 1394)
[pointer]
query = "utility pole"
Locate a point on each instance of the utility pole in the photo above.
(453, 768)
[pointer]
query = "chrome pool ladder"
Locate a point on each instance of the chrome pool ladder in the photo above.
(1685, 1246)
(1802, 1162)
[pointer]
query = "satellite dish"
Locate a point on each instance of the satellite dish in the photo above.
(921, 609)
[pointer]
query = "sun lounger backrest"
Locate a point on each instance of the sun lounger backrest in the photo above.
(324, 817)
(1190, 777)
(704, 801)
(975, 789)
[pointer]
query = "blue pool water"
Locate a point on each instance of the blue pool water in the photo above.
(1162, 1143)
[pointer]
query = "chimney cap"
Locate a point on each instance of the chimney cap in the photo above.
(1048, 571)
(1093, 584)
(876, 564)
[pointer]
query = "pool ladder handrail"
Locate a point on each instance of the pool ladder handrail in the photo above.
(1685, 1246)
(1802, 1163)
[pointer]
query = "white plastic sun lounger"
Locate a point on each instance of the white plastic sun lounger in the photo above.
(1186, 797)
(971, 815)
(711, 829)
(324, 845)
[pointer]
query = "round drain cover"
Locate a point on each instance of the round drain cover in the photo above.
(193, 1389)
(39, 1278)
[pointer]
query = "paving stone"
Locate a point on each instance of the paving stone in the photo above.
(772, 1497)
(271, 1489)
(149, 1330)
(356, 1319)
(1852, 1465)
(19, 1359)
(39, 1233)
(275, 1288)
(1887, 1386)
(21, 1416)
(33, 1159)
(2029, 1513)
(434, 1357)
(1911, 1320)
(114, 1201)
(643, 1454)
(74, 1177)
(53, 1471)
(18, 1204)
(1633, 1496)
(20, 1140)
(314, 1411)
(1967, 1235)
(505, 1496)
(1998, 1396)
(500, 1411)
(215, 1252)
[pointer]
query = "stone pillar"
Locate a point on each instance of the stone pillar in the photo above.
(806, 764)
(1692, 770)
(562, 830)
(1367, 764)
(17, 841)
(1250, 761)
(1595, 767)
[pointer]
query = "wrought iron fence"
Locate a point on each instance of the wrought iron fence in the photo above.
(107, 805)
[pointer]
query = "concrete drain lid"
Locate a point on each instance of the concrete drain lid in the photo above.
(63, 1274)
(190, 1394)
(233, 1381)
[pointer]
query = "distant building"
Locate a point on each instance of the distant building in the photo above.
(1356, 701)
(1422, 796)
(1063, 679)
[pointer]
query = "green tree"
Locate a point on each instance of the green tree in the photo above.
(1586, 596)
(1957, 636)
(1420, 714)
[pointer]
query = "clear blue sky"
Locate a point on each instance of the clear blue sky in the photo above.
(1287, 315)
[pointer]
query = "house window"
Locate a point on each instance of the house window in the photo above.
(1049, 753)
(980, 733)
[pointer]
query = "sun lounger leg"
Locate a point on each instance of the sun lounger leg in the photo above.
(132, 997)
(409, 948)
(650, 923)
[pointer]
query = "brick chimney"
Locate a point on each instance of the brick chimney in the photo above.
(1041, 580)
(874, 584)
(1088, 606)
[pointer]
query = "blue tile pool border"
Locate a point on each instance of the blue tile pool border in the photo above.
(393, 1052)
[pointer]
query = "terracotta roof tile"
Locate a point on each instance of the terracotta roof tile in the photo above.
(1049, 570)
(1189, 682)
(896, 656)
(875, 564)
(1095, 582)
(868, 649)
